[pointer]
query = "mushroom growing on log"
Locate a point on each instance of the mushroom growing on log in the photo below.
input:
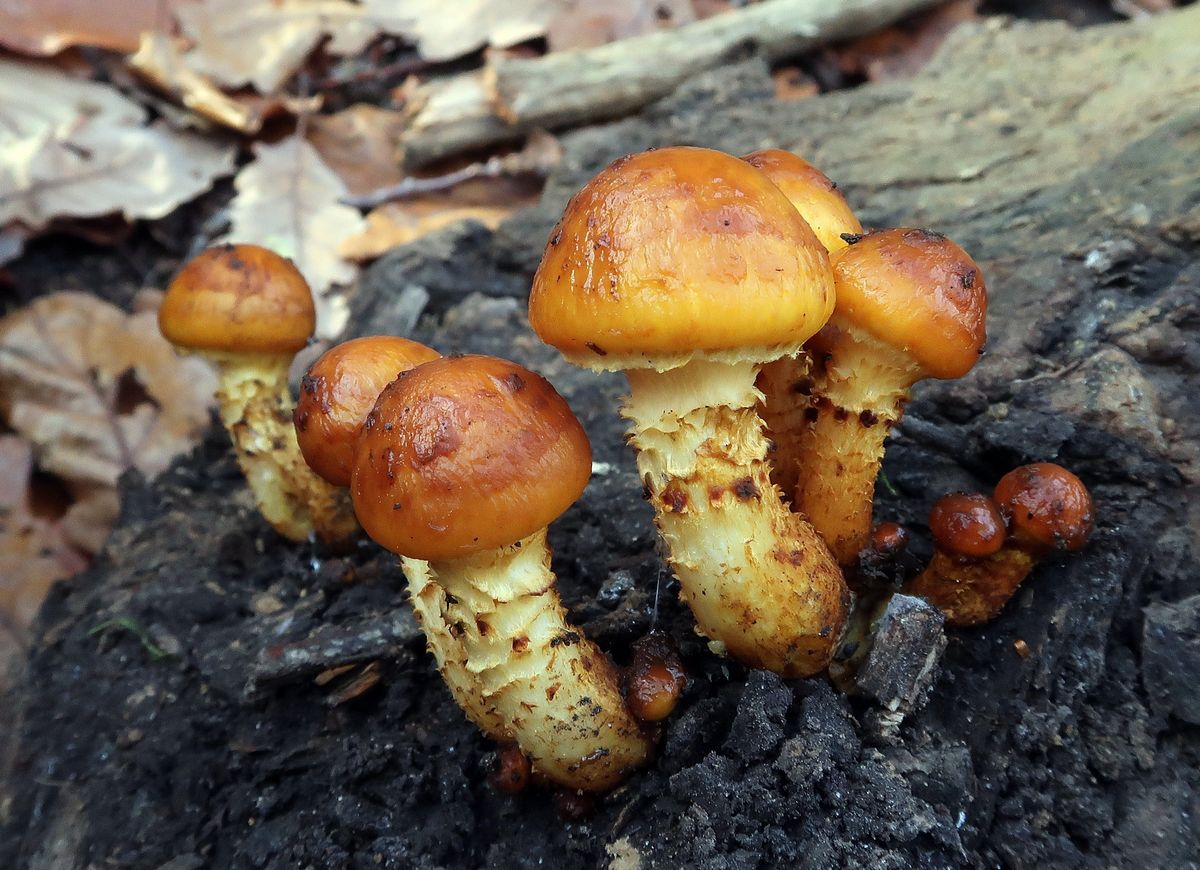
(462, 463)
(688, 269)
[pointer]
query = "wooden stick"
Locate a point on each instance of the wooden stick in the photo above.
(511, 96)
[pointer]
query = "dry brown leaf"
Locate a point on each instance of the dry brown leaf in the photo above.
(288, 200)
(48, 26)
(71, 148)
(262, 42)
(444, 33)
(359, 144)
(901, 50)
(34, 553)
(160, 61)
(585, 24)
(98, 391)
(395, 224)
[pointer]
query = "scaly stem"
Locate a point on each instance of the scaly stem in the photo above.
(761, 583)
(972, 591)
(858, 391)
(785, 386)
(256, 407)
(520, 671)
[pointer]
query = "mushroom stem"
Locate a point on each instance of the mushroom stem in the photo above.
(522, 673)
(785, 385)
(972, 591)
(859, 387)
(256, 407)
(761, 583)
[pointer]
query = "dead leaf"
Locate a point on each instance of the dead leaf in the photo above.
(394, 224)
(262, 42)
(444, 33)
(793, 83)
(160, 61)
(288, 200)
(359, 144)
(46, 27)
(901, 50)
(585, 24)
(76, 148)
(34, 553)
(98, 391)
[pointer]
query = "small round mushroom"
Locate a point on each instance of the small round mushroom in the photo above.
(338, 391)
(784, 382)
(688, 269)
(459, 468)
(655, 678)
(248, 310)
(910, 305)
(979, 562)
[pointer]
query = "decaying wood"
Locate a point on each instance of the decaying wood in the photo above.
(511, 96)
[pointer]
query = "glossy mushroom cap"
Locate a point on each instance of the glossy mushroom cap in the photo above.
(917, 291)
(338, 392)
(967, 524)
(817, 198)
(240, 299)
(677, 252)
(464, 454)
(1046, 507)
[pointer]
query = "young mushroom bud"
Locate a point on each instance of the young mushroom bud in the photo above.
(784, 383)
(910, 305)
(338, 392)
(979, 564)
(688, 269)
(463, 462)
(248, 310)
(655, 678)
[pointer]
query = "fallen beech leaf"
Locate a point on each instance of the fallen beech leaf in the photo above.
(78, 149)
(585, 24)
(903, 49)
(34, 553)
(444, 33)
(288, 200)
(160, 61)
(359, 144)
(98, 391)
(395, 224)
(262, 42)
(48, 26)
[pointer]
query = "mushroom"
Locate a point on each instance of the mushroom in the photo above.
(460, 467)
(784, 382)
(248, 310)
(655, 678)
(978, 564)
(910, 305)
(688, 269)
(338, 391)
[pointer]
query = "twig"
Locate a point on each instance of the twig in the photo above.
(511, 96)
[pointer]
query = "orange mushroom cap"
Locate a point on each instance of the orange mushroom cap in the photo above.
(674, 251)
(240, 299)
(1046, 507)
(967, 524)
(817, 198)
(917, 291)
(464, 454)
(338, 392)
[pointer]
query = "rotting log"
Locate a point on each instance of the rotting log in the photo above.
(1065, 162)
(512, 96)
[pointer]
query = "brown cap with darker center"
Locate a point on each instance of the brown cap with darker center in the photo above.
(817, 198)
(1046, 506)
(676, 252)
(464, 454)
(338, 392)
(917, 291)
(239, 299)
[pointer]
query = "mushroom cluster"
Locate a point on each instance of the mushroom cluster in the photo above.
(769, 344)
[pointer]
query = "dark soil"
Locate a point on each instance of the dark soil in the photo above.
(195, 735)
